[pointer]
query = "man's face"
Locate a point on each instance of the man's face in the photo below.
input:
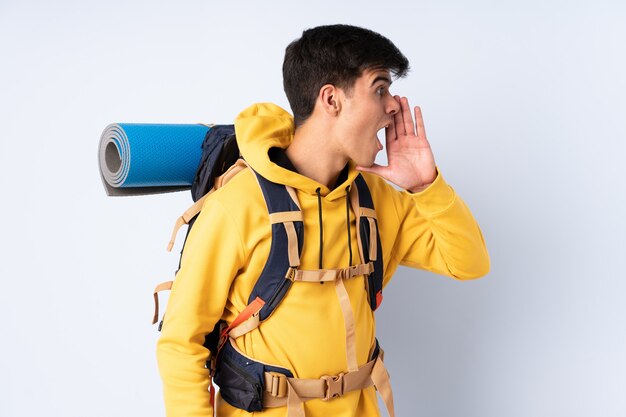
(368, 109)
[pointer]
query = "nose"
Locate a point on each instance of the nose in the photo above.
(393, 106)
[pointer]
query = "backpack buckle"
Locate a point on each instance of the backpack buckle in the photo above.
(291, 273)
(353, 271)
(334, 386)
(277, 385)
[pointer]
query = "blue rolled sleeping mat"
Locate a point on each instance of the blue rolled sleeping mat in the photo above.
(143, 158)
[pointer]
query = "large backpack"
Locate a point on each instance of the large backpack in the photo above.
(249, 384)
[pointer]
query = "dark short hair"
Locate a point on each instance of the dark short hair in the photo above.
(338, 55)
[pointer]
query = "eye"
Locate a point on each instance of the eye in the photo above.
(380, 90)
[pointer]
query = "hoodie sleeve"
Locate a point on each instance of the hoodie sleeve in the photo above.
(438, 233)
(211, 258)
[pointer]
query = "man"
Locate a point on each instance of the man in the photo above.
(337, 81)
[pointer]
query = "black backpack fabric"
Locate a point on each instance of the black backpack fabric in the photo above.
(219, 152)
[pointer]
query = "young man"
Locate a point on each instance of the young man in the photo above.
(337, 80)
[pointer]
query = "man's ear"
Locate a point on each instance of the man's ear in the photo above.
(329, 98)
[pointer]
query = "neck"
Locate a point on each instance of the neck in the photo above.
(311, 152)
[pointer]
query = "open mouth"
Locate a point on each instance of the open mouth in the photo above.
(384, 127)
(380, 138)
(380, 133)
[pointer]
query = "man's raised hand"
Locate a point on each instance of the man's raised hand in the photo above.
(411, 163)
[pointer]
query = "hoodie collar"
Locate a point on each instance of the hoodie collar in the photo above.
(264, 126)
(279, 157)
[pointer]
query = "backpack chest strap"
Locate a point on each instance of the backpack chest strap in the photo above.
(322, 275)
(248, 319)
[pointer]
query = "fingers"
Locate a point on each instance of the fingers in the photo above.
(403, 120)
(409, 127)
(390, 133)
(398, 120)
(419, 121)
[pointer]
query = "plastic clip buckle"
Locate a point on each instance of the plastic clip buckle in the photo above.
(334, 386)
(278, 386)
(353, 271)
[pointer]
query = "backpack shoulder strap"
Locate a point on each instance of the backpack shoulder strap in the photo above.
(368, 237)
(287, 223)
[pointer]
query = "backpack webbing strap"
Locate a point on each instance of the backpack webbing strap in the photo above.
(248, 317)
(370, 215)
(349, 324)
(320, 275)
(354, 202)
(338, 275)
(281, 390)
(286, 216)
(364, 211)
(247, 326)
(373, 239)
(380, 378)
(192, 211)
(167, 285)
(292, 244)
(185, 218)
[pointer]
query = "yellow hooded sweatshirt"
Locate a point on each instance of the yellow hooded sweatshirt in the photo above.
(229, 244)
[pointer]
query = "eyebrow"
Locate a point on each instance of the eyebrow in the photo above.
(379, 78)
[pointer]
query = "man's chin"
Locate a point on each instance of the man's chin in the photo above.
(367, 164)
